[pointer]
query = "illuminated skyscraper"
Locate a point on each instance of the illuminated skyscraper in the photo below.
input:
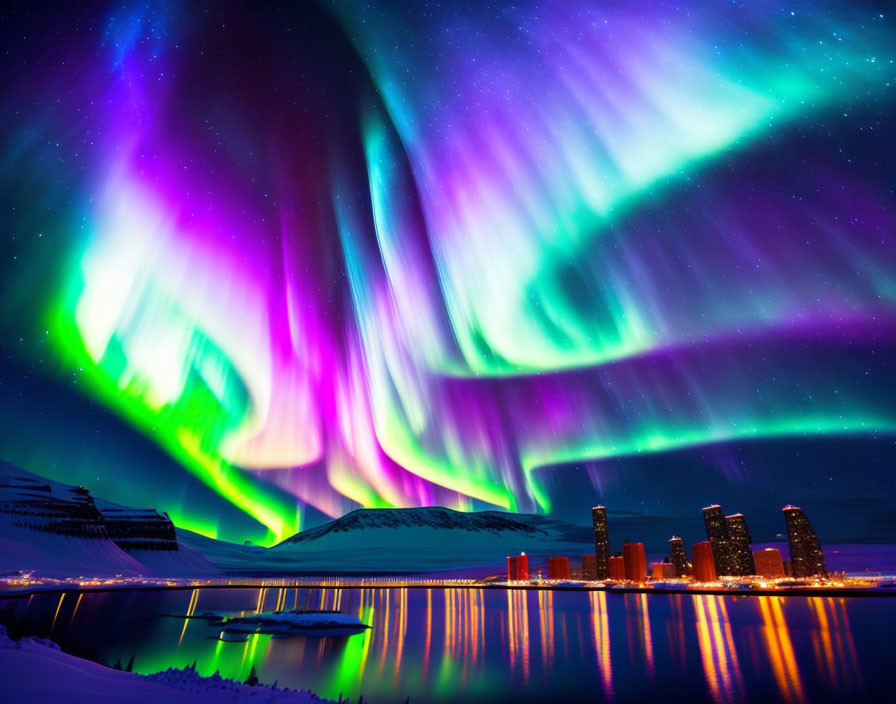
(740, 555)
(601, 541)
(678, 556)
(635, 561)
(719, 538)
(703, 559)
(806, 557)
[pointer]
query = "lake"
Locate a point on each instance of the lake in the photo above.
(450, 645)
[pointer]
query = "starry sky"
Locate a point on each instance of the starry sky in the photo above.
(263, 265)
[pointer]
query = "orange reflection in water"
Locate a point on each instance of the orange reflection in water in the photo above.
(717, 650)
(56, 615)
(518, 630)
(646, 640)
(428, 642)
(833, 647)
(601, 629)
(402, 628)
(77, 604)
(780, 649)
(546, 622)
(191, 608)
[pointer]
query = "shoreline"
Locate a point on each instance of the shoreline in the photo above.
(821, 591)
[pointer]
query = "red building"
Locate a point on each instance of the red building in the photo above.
(635, 561)
(769, 562)
(589, 566)
(704, 565)
(662, 570)
(558, 568)
(517, 568)
(616, 567)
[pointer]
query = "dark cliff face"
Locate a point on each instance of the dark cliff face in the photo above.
(139, 529)
(39, 506)
(33, 503)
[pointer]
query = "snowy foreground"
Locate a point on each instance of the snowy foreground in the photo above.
(35, 670)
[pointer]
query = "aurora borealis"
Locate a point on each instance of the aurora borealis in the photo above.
(403, 254)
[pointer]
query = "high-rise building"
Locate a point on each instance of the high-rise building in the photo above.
(589, 567)
(717, 534)
(616, 567)
(740, 556)
(703, 559)
(558, 568)
(768, 562)
(635, 561)
(678, 556)
(601, 541)
(806, 557)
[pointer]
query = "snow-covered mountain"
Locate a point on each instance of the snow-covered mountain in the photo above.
(418, 540)
(57, 529)
(436, 518)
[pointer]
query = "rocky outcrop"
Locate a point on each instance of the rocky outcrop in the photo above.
(138, 529)
(34, 503)
(49, 507)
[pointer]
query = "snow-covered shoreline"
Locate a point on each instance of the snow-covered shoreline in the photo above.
(35, 670)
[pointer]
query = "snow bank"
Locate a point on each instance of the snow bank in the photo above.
(35, 670)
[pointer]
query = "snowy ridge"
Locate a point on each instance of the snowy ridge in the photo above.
(35, 504)
(55, 529)
(138, 528)
(419, 540)
(436, 517)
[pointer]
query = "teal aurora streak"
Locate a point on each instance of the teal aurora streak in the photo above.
(553, 233)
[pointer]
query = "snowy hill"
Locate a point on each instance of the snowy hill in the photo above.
(57, 529)
(418, 540)
(436, 518)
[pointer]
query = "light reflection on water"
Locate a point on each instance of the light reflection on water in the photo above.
(493, 645)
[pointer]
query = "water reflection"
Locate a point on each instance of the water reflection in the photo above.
(489, 645)
(717, 650)
(601, 624)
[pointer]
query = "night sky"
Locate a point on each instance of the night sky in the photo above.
(263, 265)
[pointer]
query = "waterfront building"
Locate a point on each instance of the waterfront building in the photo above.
(703, 559)
(601, 541)
(616, 567)
(806, 557)
(678, 556)
(662, 570)
(558, 568)
(768, 563)
(717, 534)
(740, 556)
(589, 567)
(634, 561)
(518, 568)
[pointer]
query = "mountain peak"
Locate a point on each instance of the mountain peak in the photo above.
(431, 517)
